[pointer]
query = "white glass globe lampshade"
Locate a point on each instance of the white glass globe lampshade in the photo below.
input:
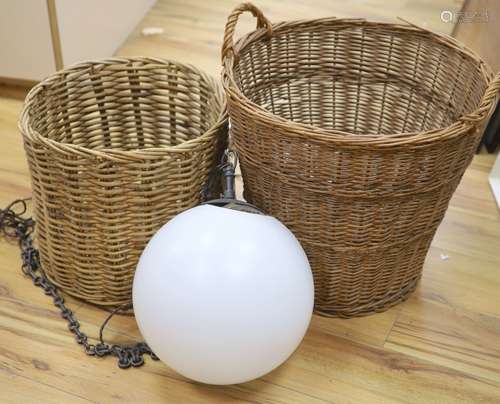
(223, 296)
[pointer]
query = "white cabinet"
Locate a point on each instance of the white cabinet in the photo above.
(26, 50)
(37, 37)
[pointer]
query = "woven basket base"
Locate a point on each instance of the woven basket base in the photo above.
(88, 298)
(376, 307)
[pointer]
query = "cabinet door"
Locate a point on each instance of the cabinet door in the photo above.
(25, 40)
(95, 29)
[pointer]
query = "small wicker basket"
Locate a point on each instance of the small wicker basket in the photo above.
(115, 149)
(355, 134)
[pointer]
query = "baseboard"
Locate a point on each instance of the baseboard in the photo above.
(15, 88)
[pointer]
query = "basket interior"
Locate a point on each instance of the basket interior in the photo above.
(362, 78)
(125, 107)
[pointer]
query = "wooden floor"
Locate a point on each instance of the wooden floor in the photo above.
(442, 345)
(193, 29)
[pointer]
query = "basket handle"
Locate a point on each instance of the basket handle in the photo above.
(490, 98)
(262, 22)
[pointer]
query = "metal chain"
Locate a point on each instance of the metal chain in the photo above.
(228, 159)
(14, 226)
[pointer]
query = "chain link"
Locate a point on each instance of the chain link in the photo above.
(13, 225)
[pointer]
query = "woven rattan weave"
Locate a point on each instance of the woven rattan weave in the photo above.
(355, 134)
(115, 149)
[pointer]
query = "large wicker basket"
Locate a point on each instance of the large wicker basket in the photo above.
(355, 134)
(115, 149)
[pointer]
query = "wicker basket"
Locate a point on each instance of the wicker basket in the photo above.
(115, 149)
(355, 134)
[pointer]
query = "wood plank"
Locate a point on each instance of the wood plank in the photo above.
(16, 389)
(469, 233)
(193, 30)
(473, 194)
(351, 372)
(14, 177)
(15, 286)
(36, 344)
(460, 282)
(458, 339)
(372, 330)
(453, 318)
(325, 368)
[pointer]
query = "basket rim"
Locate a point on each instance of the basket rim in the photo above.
(114, 154)
(333, 136)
